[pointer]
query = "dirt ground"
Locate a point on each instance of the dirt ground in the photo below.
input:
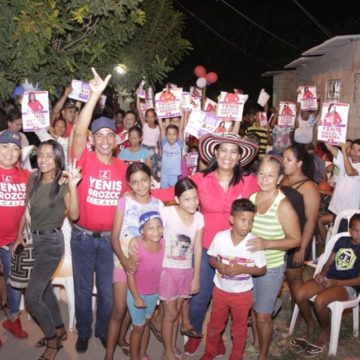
(348, 349)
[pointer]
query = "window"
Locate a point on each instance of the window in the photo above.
(333, 89)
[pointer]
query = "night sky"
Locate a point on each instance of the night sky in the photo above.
(253, 51)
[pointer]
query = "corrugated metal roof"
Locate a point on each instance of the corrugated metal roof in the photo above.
(322, 49)
(316, 51)
(300, 61)
(331, 44)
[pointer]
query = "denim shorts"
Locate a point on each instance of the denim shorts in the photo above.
(267, 288)
(139, 315)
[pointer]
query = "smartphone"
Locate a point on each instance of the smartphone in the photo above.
(19, 249)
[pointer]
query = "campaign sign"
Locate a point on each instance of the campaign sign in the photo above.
(333, 122)
(168, 103)
(287, 114)
(81, 90)
(35, 110)
(230, 106)
(307, 98)
(195, 122)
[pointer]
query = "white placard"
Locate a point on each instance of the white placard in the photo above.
(195, 122)
(333, 122)
(287, 114)
(307, 98)
(211, 125)
(210, 106)
(263, 98)
(230, 106)
(81, 90)
(168, 103)
(35, 110)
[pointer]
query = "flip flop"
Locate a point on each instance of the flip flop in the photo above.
(312, 351)
(156, 332)
(125, 349)
(299, 344)
(191, 333)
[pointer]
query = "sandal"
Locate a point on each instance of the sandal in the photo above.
(43, 342)
(57, 347)
(191, 333)
(299, 345)
(125, 349)
(312, 351)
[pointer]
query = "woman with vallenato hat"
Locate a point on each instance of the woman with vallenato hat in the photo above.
(218, 186)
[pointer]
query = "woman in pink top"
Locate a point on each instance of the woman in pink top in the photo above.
(218, 186)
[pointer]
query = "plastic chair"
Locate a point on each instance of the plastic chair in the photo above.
(336, 307)
(345, 214)
(63, 276)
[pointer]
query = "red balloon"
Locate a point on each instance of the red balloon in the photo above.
(211, 77)
(200, 71)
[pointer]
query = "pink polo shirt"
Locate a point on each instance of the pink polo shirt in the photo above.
(215, 203)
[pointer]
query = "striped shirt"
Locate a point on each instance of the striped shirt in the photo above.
(268, 227)
(263, 135)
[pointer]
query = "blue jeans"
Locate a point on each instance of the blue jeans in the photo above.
(14, 295)
(92, 255)
(200, 302)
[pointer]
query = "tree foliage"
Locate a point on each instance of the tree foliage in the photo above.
(54, 41)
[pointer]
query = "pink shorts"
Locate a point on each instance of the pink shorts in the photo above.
(119, 275)
(175, 283)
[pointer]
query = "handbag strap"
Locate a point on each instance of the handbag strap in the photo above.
(27, 228)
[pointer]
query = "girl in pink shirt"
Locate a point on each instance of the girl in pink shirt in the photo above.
(144, 282)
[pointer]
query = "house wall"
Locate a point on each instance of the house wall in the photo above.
(340, 63)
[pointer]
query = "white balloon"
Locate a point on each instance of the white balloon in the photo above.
(201, 82)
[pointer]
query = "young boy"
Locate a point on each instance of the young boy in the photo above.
(172, 145)
(338, 280)
(234, 266)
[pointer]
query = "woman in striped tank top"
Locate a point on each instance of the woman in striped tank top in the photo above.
(277, 227)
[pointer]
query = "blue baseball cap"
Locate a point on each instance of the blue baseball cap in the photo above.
(146, 217)
(103, 122)
(10, 137)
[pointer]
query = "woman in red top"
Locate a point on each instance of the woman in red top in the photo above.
(13, 182)
(34, 105)
(218, 186)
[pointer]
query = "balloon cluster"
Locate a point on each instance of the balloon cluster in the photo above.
(204, 78)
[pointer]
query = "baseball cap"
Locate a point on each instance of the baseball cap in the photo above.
(10, 137)
(146, 217)
(103, 122)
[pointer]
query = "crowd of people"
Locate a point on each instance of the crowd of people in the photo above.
(161, 244)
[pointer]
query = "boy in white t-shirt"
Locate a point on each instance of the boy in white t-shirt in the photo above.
(234, 266)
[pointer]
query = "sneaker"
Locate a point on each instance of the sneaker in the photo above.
(81, 345)
(221, 350)
(15, 328)
(192, 345)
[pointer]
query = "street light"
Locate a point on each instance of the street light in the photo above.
(121, 69)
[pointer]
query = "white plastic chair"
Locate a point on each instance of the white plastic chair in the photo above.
(336, 307)
(345, 214)
(63, 276)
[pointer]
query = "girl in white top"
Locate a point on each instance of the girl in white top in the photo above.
(183, 228)
(150, 127)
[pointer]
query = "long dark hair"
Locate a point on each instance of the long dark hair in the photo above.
(301, 154)
(135, 167)
(183, 185)
(213, 165)
(35, 180)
